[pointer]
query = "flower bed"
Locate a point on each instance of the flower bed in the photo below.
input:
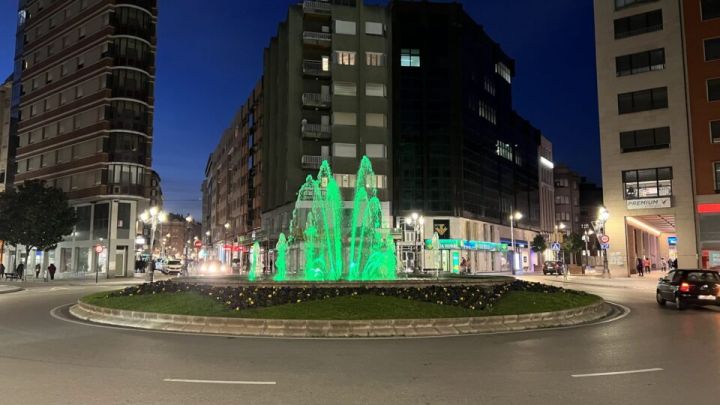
(472, 297)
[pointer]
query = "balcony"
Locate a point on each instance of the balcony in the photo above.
(315, 68)
(316, 7)
(316, 131)
(316, 100)
(322, 39)
(312, 162)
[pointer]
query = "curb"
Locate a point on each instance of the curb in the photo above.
(10, 290)
(339, 328)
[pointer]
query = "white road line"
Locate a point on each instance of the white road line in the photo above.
(646, 370)
(183, 380)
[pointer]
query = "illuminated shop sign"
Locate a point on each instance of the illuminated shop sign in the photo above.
(462, 244)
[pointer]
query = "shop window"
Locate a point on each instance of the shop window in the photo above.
(647, 183)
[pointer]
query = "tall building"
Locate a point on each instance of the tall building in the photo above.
(462, 156)
(657, 68)
(83, 110)
(326, 76)
(547, 187)
(5, 156)
(232, 190)
(567, 198)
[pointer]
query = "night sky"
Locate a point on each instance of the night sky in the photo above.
(210, 56)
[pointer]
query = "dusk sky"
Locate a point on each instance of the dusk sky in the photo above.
(209, 58)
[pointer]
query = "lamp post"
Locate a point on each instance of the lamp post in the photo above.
(417, 223)
(586, 238)
(514, 216)
(153, 217)
(225, 242)
(188, 222)
(599, 226)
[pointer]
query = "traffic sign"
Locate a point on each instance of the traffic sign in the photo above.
(604, 239)
(197, 244)
(604, 246)
(556, 246)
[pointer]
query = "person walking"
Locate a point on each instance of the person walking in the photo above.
(19, 270)
(639, 267)
(51, 271)
(37, 271)
(646, 265)
(2, 270)
(663, 264)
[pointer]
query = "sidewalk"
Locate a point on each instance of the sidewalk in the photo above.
(648, 282)
(69, 282)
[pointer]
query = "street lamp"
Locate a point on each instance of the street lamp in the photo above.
(153, 217)
(188, 222)
(417, 222)
(225, 242)
(599, 226)
(515, 216)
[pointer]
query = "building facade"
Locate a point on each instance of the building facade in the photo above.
(658, 97)
(232, 189)
(5, 155)
(82, 116)
(547, 187)
(325, 100)
(176, 235)
(567, 198)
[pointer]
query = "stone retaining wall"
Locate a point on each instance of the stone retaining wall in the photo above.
(338, 328)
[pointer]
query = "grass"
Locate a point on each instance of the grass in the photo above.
(346, 308)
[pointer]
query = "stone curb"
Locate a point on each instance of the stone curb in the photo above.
(9, 289)
(339, 328)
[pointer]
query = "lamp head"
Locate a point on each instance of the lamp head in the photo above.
(414, 216)
(144, 216)
(154, 211)
(189, 218)
(227, 225)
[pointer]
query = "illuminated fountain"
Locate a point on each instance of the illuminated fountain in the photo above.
(337, 242)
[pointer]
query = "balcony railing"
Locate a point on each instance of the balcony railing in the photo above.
(316, 7)
(316, 100)
(315, 68)
(312, 162)
(316, 131)
(317, 38)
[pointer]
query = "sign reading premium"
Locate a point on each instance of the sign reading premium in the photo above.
(649, 203)
(442, 227)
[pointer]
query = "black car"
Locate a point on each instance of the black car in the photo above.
(689, 287)
(553, 267)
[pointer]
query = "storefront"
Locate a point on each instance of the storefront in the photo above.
(465, 256)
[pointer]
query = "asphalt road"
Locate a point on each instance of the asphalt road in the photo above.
(672, 357)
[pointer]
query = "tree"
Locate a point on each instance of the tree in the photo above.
(573, 244)
(538, 244)
(35, 216)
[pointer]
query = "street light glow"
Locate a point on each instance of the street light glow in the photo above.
(414, 216)
(154, 211)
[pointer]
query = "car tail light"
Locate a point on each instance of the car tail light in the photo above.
(684, 287)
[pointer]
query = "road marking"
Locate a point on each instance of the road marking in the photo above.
(646, 370)
(183, 380)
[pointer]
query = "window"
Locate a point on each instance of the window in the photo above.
(647, 183)
(638, 24)
(344, 118)
(375, 120)
(344, 89)
(645, 139)
(489, 86)
(63, 69)
(409, 57)
(620, 4)
(345, 58)
(345, 180)
(642, 100)
(487, 112)
(33, 110)
(712, 49)
(345, 27)
(640, 62)
(717, 176)
(325, 64)
(48, 77)
(374, 58)
(348, 150)
(715, 131)
(375, 150)
(504, 71)
(374, 28)
(710, 9)
(562, 199)
(562, 183)
(79, 92)
(80, 62)
(504, 150)
(375, 89)
(713, 89)
(81, 32)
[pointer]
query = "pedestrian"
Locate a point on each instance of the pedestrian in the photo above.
(646, 264)
(639, 267)
(19, 270)
(37, 271)
(51, 270)
(663, 264)
(463, 265)
(2, 270)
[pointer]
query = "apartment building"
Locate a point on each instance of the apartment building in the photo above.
(657, 69)
(82, 115)
(326, 99)
(232, 190)
(547, 187)
(5, 155)
(567, 198)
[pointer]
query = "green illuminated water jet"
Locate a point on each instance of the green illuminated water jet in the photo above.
(281, 261)
(254, 261)
(339, 242)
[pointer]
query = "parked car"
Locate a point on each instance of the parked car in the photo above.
(687, 288)
(173, 267)
(554, 267)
